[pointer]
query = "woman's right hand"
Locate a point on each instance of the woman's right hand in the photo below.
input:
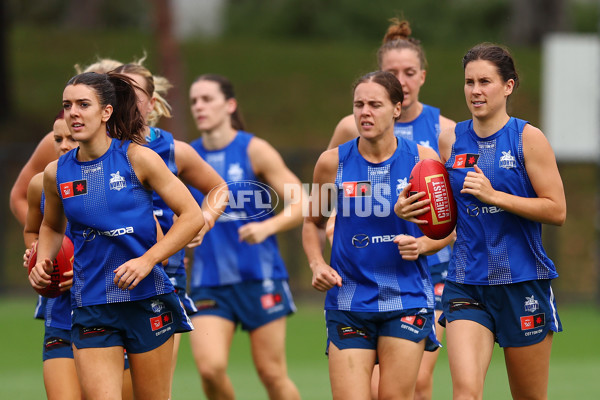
(39, 277)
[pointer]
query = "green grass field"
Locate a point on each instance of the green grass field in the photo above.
(574, 370)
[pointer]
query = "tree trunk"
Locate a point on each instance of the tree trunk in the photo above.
(171, 67)
(532, 19)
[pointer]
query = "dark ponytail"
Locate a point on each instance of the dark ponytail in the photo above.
(126, 121)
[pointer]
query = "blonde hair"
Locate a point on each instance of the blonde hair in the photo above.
(101, 66)
(156, 87)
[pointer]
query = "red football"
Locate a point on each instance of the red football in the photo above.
(430, 176)
(62, 263)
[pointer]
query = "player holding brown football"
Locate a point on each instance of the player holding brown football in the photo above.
(379, 305)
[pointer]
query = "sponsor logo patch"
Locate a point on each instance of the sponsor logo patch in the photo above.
(270, 300)
(467, 160)
(73, 188)
(93, 332)
(56, 343)
(205, 304)
(161, 321)
(463, 304)
(357, 189)
(438, 289)
(533, 321)
(349, 332)
(415, 320)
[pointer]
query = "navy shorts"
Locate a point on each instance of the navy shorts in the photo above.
(251, 304)
(138, 326)
(518, 314)
(57, 343)
(438, 279)
(179, 281)
(361, 330)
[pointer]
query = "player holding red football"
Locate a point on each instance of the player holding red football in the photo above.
(506, 184)
(26, 199)
(60, 377)
(379, 305)
(403, 55)
(114, 233)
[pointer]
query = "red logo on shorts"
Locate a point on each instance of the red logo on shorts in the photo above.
(533, 321)
(415, 320)
(270, 300)
(161, 321)
(438, 289)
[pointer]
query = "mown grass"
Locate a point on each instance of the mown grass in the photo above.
(574, 369)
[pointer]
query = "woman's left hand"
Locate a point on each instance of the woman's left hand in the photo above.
(66, 285)
(131, 273)
(253, 232)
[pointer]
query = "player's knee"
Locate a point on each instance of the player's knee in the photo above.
(423, 386)
(271, 376)
(466, 393)
(212, 372)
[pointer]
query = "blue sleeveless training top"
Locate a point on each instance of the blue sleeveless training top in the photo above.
(494, 247)
(375, 278)
(111, 219)
(423, 130)
(222, 259)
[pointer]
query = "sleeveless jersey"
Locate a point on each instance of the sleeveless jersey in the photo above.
(163, 144)
(425, 130)
(56, 312)
(375, 278)
(222, 259)
(493, 246)
(110, 214)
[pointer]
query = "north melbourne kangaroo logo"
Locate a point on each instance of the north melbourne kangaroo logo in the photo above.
(117, 182)
(507, 160)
